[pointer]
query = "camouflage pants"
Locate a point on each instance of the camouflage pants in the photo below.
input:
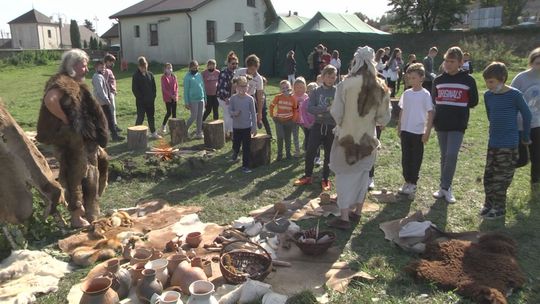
(498, 174)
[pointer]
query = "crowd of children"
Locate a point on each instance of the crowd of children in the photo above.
(442, 102)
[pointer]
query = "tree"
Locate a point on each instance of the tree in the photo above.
(85, 44)
(74, 34)
(100, 45)
(89, 25)
(93, 43)
(426, 15)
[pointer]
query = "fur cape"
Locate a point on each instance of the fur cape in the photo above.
(86, 118)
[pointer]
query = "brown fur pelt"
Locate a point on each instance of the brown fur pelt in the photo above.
(355, 152)
(84, 113)
(78, 145)
(22, 164)
(372, 92)
(485, 271)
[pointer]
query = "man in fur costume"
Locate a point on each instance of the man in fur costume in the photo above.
(72, 121)
(361, 102)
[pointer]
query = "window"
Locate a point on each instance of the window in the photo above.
(153, 34)
(137, 31)
(238, 27)
(49, 33)
(251, 3)
(210, 32)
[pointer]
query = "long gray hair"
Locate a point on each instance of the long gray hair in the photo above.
(69, 59)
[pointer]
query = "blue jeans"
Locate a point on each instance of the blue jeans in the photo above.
(449, 144)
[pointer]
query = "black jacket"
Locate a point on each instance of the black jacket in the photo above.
(143, 87)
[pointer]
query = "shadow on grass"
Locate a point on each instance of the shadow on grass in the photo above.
(438, 213)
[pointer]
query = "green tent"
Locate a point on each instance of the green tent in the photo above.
(342, 32)
(235, 43)
(264, 44)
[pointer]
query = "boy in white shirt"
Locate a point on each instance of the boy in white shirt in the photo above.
(415, 121)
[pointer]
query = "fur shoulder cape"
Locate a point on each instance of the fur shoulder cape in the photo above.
(85, 115)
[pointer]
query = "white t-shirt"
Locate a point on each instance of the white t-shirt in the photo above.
(336, 63)
(415, 106)
(254, 85)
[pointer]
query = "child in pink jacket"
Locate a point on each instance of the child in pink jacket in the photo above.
(169, 88)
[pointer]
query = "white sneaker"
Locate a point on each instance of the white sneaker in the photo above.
(371, 185)
(155, 136)
(318, 161)
(163, 129)
(449, 197)
(439, 193)
(411, 190)
(404, 189)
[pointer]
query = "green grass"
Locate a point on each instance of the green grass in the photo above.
(225, 194)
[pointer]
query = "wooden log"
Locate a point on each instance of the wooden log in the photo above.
(260, 153)
(178, 129)
(136, 137)
(214, 137)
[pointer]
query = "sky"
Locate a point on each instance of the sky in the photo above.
(100, 10)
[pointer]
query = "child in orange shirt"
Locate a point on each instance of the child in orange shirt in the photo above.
(284, 112)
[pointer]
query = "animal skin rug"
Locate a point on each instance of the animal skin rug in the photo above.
(26, 273)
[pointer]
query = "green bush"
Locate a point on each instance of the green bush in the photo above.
(35, 57)
(483, 52)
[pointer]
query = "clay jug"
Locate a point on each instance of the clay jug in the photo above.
(98, 291)
(167, 297)
(148, 286)
(160, 266)
(141, 255)
(136, 272)
(202, 292)
(184, 275)
(174, 260)
(121, 278)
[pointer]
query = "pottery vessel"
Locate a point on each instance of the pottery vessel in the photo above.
(136, 272)
(148, 286)
(140, 255)
(156, 254)
(167, 297)
(98, 291)
(174, 260)
(202, 292)
(184, 275)
(197, 262)
(121, 278)
(194, 239)
(160, 266)
(207, 268)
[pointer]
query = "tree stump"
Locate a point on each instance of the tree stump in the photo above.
(136, 137)
(178, 129)
(214, 137)
(395, 108)
(260, 152)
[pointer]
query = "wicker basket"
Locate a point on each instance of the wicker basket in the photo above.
(240, 260)
(316, 248)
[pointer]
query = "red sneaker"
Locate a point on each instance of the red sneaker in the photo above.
(304, 180)
(326, 185)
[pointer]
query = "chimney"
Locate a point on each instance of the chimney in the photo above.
(60, 21)
(295, 13)
(289, 14)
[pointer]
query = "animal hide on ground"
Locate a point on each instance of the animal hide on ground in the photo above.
(485, 271)
(26, 273)
(23, 166)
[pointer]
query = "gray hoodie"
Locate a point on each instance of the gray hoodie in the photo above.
(320, 101)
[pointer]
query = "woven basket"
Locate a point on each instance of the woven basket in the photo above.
(240, 260)
(317, 248)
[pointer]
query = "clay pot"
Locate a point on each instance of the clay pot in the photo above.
(156, 254)
(140, 255)
(207, 268)
(136, 272)
(160, 266)
(202, 292)
(194, 239)
(148, 286)
(121, 278)
(167, 297)
(174, 260)
(98, 291)
(184, 275)
(196, 262)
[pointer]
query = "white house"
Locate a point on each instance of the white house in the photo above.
(180, 30)
(34, 30)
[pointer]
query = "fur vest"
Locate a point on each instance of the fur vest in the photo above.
(86, 118)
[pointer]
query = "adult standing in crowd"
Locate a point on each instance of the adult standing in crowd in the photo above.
(143, 86)
(361, 102)
(210, 77)
(429, 67)
(393, 68)
(224, 91)
(336, 62)
(110, 79)
(291, 66)
(528, 82)
(72, 121)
